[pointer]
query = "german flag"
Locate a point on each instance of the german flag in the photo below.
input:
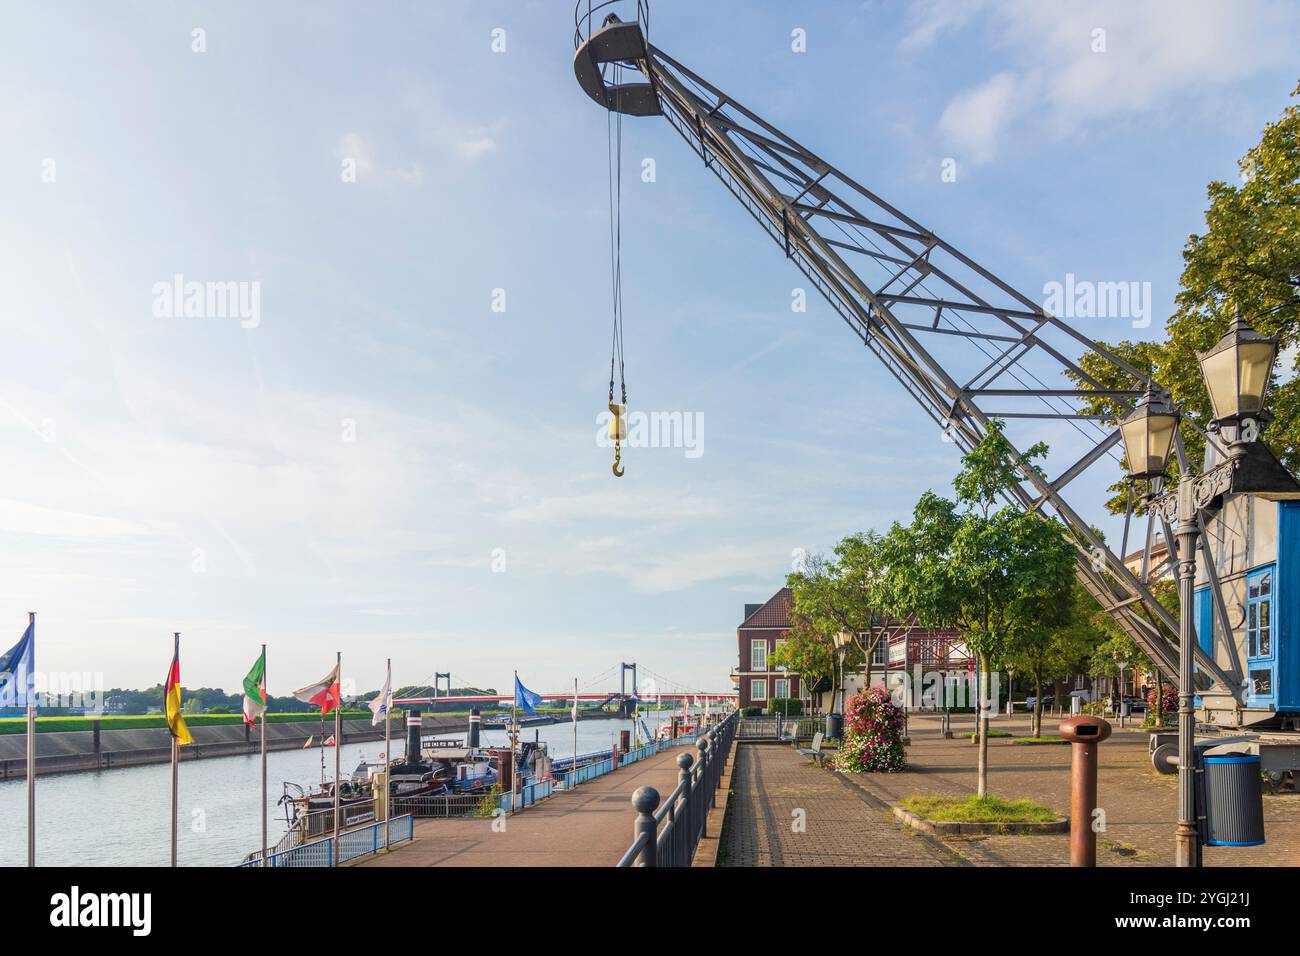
(172, 699)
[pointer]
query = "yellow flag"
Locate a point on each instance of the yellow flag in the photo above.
(172, 699)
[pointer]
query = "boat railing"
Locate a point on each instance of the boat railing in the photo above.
(427, 806)
(351, 845)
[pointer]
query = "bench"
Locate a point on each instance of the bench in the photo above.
(815, 751)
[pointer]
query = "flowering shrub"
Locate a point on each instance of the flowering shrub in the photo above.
(1168, 699)
(873, 734)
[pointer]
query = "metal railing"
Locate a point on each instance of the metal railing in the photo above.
(777, 727)
(668, 835)
(442, 805)
(352, 844)
(586, 10)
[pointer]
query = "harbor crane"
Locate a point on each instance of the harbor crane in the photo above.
(975, 353)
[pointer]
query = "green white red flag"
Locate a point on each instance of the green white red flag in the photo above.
(255, 691)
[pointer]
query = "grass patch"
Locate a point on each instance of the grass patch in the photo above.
(979, 810)
(1039, 740)
(992, 733)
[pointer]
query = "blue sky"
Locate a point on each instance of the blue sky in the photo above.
(195, 474)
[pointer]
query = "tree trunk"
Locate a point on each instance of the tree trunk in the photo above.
(1160, 698)
(1038, 707)
(982, 727)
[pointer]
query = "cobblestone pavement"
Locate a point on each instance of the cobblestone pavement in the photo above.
(590, 825)
(847, 819)
(787, 812)
(1140, 805)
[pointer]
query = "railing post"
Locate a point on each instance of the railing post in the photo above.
(706, 771)
(684, 763)
(645, 801)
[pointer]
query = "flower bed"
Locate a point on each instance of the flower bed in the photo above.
(873, 735)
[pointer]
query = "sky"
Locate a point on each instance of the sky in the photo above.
(388, 447)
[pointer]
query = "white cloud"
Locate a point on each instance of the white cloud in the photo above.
(1055, 79)
(475, 148)
(978, 117)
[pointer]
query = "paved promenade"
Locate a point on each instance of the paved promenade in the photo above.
(847, 820)
(788, 812)
(590, 825)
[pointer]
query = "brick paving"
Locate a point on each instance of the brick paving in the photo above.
(842, 825)
(590, 825)
(848, 819)
(1140, 805)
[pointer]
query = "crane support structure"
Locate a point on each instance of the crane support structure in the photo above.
(964, 344)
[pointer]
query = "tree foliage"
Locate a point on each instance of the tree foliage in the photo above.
(1248, 256)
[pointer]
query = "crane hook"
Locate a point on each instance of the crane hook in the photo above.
(617, 431)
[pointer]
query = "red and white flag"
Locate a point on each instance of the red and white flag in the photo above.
(324, 692)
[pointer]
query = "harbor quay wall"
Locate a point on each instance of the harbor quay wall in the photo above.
(100, 748)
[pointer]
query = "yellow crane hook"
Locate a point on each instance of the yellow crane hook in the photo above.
(617, 431)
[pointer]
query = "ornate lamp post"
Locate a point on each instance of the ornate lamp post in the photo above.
(1237, 372)
(842, 640)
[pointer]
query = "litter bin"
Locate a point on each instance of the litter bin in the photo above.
(834, 726)
(1233, 799)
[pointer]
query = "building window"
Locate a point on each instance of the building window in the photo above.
(781, 687)
(880, 653)
(758, 655)
(1259, 625)
(779, 642)
(758, 688)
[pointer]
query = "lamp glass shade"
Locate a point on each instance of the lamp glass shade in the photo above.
(842, 638)
(1236, 373)
(1148, 435)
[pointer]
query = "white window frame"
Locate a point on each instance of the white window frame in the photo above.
(777, 647)
(880, 653)
(754, 645)
(758, 689)
(776, 687)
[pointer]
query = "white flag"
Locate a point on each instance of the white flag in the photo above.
(575, 707)
(383, 701)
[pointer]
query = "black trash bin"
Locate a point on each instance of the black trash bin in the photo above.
(1234, 800)
(834, 726)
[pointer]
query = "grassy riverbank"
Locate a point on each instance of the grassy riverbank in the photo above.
(49, 725)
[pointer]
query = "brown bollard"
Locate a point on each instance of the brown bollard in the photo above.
(1083, 733)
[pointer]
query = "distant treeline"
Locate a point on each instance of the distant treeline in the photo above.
(215, 700)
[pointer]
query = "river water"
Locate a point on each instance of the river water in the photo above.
(119, 817)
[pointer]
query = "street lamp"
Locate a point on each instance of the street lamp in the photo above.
(1237, 372)
(1148, 434)
(842, 639)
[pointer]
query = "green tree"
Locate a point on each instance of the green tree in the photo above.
(1249, 257)
(994, 572)
(1053, 653)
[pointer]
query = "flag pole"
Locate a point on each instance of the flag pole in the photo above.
(31, 744)
(388, 757)
(575, 731)
(265, 701)
(176, 754)
(514, 739)
(338, 745)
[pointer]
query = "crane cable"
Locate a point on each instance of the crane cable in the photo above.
(614, 156)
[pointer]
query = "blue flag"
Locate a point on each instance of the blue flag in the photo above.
(525, 698)
(16, 667)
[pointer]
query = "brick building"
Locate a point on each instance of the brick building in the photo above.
(764, 626)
